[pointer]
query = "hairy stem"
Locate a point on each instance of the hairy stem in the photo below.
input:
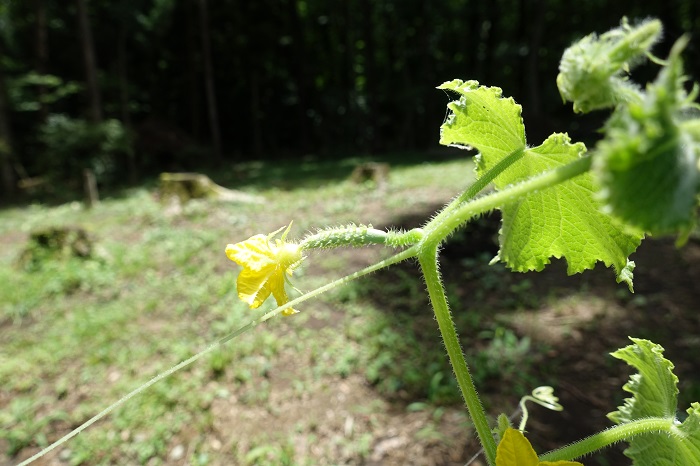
(429, 267)
(480, 184)
(491, 174)
(453, 216)
(608, 437)
(350, 235)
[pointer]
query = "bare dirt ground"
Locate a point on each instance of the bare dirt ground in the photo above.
(579, 320)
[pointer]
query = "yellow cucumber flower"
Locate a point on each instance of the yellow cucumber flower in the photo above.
(266, 265)
(515, 450)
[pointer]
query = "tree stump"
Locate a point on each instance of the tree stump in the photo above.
(56, 243)
(371, 171)
(186, 186)
(92, 196)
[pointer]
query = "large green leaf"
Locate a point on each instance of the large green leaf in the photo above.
(562, 221)
(655, 392)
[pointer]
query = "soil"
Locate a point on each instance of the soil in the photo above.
(579, 320)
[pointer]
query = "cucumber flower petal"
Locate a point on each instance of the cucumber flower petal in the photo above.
(266, 267)
(515, 450)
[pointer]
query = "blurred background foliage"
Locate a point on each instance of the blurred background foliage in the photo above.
(135, 87)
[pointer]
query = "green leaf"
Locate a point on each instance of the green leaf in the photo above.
(647, 162)
(655, 392)
(482, 118)
(562, 221)
(654, 387)
(592, 72)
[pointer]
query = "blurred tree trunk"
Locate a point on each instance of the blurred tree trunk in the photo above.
(122, 77)
(42, 54)
(531, 28)
(536, 17)
(487, 41)
(7, 176)
(193, 76)
(94, 100)
(371, 95)
(427, 64)
(124, 98)
(209, 79)
(348, 72)
(256, 113)
(299, 65)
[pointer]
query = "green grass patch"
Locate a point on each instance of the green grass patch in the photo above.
(80, 333)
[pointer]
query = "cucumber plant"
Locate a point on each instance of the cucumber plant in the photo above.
(558, 200)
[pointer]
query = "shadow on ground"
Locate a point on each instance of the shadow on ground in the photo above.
(521, 330)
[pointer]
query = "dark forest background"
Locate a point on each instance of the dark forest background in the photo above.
(129, 88)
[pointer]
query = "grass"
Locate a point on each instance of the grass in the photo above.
(359, 376)
(80, 333)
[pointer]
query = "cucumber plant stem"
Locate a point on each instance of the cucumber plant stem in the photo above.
(429, 266)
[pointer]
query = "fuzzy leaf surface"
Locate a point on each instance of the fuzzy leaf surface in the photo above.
(563, 221)
(592, 72)
(655, 393)
(648, 161)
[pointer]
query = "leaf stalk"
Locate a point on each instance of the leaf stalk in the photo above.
(608, 437)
